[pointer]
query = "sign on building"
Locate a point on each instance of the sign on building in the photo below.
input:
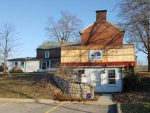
(95, 55)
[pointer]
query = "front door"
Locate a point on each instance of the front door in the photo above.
(43, 65)
(96, 79)
(106, 80)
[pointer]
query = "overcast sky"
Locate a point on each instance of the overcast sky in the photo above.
(30, 17)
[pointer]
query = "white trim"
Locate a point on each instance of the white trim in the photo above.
(86, 27)
(46, 54)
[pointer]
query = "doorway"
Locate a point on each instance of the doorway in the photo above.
(44, 65)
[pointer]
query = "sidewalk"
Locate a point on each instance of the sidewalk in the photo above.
(106, 99)
(42, 101)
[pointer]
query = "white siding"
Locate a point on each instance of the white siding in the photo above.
(29, 66)
(98, 77)
(32, 66)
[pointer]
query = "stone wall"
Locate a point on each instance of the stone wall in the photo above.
(74, 88)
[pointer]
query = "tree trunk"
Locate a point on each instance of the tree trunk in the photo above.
(148, 57)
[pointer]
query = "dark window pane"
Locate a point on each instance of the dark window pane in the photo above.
(47, 64)
(111, 77)
(80, 72)
(16, 64)
(54, 64)
(22, 64)
(111, 73)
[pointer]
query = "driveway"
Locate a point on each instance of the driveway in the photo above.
(54, 108)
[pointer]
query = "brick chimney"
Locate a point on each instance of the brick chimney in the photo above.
(101, 15)
(62, 40)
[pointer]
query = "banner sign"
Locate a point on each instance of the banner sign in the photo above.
(95, 55)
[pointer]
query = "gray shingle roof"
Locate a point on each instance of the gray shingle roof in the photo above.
(51, 45)
(24, 59)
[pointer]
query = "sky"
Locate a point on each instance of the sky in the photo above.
(30, 18)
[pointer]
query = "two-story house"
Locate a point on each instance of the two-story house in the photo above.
(49, 54)
(102, 56)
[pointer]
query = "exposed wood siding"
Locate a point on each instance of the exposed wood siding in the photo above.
(78, 55)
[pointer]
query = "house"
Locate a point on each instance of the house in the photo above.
(26, 64)
(102, 57)
(49, 54)
(47, 58)
(99, 59)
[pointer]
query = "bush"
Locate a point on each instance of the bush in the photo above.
(66, 73)
(16, 70)
(132, 83)
(3, 67)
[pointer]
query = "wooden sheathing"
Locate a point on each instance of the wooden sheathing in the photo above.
(80, 54)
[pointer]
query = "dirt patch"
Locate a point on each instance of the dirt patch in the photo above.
(18, 88)
(131, 97)
(136, 107)
(135, 98)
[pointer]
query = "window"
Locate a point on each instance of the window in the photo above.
(22, 64)
(80, 72)
(47, 64)
(43, 65)
(46, 54)
(16, 64)
(54, 64)
(111, 77)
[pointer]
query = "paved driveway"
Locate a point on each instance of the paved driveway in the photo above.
(54, 108)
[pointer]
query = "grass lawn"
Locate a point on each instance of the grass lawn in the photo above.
(27, 86)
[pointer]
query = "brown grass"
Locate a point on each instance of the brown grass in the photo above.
(33, 86)
(21, 88)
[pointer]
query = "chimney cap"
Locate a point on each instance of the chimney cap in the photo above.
(101, 11)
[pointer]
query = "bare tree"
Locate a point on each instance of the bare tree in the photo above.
(7, 41)
(136, 21)
(67, 27)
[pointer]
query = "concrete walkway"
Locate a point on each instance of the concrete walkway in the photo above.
(105, 99)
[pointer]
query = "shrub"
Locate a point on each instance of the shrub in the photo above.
(3, 67)
(66, 73)
(132, 83)
(16, 70)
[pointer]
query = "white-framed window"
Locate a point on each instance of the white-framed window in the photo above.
(16, 64)
(111, 76)
(22, 64)
(46, 54)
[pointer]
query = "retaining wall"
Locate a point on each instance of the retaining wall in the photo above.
(74, 88)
